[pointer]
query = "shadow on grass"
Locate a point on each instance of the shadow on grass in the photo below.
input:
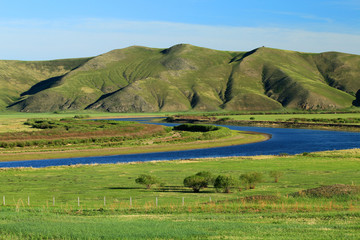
(178, 189)
(175, 189)
(124, 188)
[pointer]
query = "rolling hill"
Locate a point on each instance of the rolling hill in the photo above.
(182, 78)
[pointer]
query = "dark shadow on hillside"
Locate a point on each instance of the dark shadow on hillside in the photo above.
(237, 59)
(103, 97)
(40, 86)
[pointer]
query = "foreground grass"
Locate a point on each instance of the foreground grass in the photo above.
(117, 181)
(231, 216)
(182, 226)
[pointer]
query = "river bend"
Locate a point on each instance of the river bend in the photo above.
(284, 140)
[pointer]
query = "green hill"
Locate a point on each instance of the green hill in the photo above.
(182, 78)
(19, 78)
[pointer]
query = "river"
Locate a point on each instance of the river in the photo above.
(284, 140)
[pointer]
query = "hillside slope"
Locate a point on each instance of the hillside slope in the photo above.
(185, 77)
(19, 78)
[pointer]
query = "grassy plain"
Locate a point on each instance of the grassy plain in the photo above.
(235, 215)
(93, 201)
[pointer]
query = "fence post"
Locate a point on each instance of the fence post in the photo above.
(156, 201)
(78, 201)
(28, 200)
(104, 201)
(210, 199)
(54, 201)
(130, 202)
(4, 200)
(183, 201)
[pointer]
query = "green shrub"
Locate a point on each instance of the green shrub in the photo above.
(81, 116)
(210, 178)
(276, 175)
(20, 144)
(224, 119)
(195, 182)
(225, 183)
(196, 127)
(147, 180)
(250, 179)
(199, 181)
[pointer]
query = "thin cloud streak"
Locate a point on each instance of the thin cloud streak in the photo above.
(41, 40)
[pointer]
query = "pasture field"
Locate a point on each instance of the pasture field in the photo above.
(43, 203)
(13, 121)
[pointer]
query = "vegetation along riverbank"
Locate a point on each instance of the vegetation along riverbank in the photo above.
(49, 138)
(327, 121)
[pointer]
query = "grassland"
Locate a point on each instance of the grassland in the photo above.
(239, 214)
(93, 201)
(61, 137)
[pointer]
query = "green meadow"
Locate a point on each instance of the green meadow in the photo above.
(93, 201)
(316, 197)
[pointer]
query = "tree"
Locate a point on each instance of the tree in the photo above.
(225, 183)
(195, 182)
(199, 181)
(276, 175)
(147, 180)
(210, 178)
(251, 179)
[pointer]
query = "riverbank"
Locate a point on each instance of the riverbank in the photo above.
(265, 122)
(236, 138)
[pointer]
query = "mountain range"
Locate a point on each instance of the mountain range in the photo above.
(181, 78)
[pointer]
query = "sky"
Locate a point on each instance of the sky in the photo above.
(55, 29)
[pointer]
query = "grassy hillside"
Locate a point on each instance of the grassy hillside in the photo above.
(186, 77)
(18, 78)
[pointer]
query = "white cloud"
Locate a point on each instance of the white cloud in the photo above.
(39, 40)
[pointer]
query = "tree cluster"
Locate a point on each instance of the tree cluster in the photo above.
(222, 183)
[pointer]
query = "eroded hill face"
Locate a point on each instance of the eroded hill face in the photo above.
(181, 78)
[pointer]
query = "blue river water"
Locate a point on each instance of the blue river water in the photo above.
(284, 140)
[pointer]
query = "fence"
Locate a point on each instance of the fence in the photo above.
(165, 205)
(103, 202)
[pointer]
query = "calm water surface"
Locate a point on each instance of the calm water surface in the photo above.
(284, 140)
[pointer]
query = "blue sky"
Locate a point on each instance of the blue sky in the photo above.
(41, 30)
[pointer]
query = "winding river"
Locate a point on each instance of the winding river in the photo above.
(284, 140)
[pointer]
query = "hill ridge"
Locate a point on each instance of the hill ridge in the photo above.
(181, 78)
